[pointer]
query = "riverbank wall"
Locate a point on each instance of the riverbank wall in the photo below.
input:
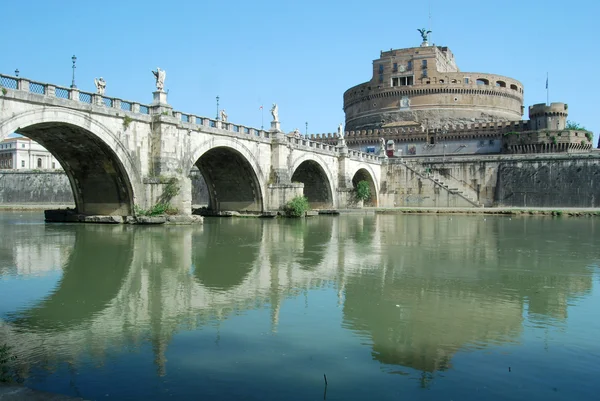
(537, 180)
(28, 188)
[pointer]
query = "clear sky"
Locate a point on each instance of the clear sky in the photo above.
(301, 55)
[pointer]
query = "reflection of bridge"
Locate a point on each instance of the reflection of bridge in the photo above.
(157, 287)
(118, 154)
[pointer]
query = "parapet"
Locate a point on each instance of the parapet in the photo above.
(542, 109)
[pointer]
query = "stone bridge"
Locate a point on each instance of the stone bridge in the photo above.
(120, 155)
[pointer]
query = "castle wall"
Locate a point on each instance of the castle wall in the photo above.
(504, 180)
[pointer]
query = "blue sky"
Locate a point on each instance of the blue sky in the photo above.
(300, 54)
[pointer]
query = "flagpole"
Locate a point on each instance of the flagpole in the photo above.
(547, 91)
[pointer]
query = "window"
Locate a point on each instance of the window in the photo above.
(23, 145)
(409, 66)
(453, 81)
(395, 69)
(381, 79)
(39, 162)
(432, 140)
(22, 163)
(425, 73)
(466, 80)
(482, 81)
(53, 165)
(424, 64)
(441, 81)
(402, 81)
(381, 68)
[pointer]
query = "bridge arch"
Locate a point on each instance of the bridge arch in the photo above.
(365, 172)
(232, 174)
(101, 171)
(312, 171)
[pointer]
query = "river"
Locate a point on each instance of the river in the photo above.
(388, 307)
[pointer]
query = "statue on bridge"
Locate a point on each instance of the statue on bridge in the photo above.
(100, 85)
(223, 116)
(275, 112)
(160, 76)
(340, 134)
(382, 151)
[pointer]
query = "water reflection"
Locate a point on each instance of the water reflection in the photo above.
(419, 288)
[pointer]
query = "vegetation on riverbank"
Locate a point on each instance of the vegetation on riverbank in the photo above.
(297, 207)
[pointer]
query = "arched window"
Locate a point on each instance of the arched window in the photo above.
(501, 84)
(514, 87)
(483, 81)
(39, 162)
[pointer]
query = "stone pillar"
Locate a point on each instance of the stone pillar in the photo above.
(74, 94)
(280, 188)
(97, 100)
(23, 84)
(345, 189)
(159, 104)
(51, 90)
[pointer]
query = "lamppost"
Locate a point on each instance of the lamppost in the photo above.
(217, 108)
(306, 130)
(74, 59)
(17, 72)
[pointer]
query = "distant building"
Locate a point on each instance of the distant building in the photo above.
(22, 153)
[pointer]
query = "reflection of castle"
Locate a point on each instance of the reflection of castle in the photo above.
(422, 104)
(417, 298)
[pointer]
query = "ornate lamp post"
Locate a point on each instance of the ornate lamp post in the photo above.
(17, 72)
(217, 108)
(74, 59)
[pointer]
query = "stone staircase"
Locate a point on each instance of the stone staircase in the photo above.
(448, 184)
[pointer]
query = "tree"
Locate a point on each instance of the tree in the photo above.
(572, 125)
(363, 191)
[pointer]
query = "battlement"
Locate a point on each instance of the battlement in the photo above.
(410, 133)
(548, 141)
(554, 109)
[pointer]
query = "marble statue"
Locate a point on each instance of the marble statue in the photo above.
(100, 85)
(160, 76)
(275, 112)
(382, 144)
(341, 131)
(223, 115)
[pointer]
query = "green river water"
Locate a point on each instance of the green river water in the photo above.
(388, 307)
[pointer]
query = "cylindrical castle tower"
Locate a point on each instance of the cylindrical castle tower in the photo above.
(423, 86)
(553, 117)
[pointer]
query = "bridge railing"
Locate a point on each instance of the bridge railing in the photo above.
(72, 94)
(196, 122)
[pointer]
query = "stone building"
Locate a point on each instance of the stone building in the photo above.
(21, 153)
(418, 103)
(423, 86)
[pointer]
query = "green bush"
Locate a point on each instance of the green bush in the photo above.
(572, 125)
(297, 207)
(589, 136)
(362, 192)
